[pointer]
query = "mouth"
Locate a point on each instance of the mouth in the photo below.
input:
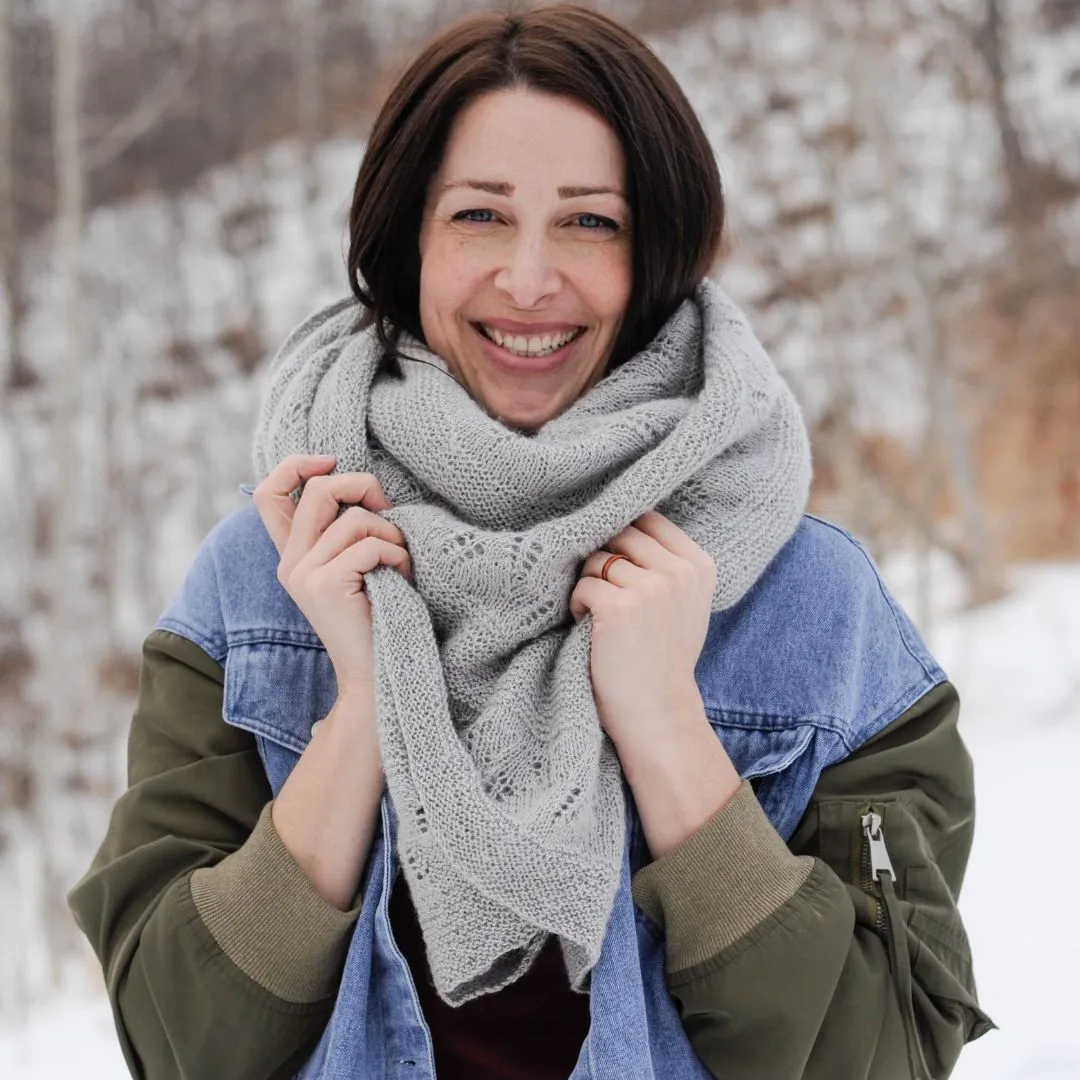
(538, 352)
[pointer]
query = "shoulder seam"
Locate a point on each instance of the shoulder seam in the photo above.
(930, 674)
(212, 649)
(933, 675)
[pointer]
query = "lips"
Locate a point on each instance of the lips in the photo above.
(537, 343)
(532, 362)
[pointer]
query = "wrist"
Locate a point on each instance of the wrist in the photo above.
(680, 783)
(353, 717)
(355, 695)
(658, 741)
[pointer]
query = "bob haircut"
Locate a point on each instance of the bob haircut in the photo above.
(672, 180)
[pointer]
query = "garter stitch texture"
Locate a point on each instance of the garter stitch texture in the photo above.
(509, 797)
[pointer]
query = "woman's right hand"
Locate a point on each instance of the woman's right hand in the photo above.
(324, 557)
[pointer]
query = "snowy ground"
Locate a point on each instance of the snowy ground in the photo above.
(1018, 666)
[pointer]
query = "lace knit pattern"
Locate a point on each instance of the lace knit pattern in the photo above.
(509, 797)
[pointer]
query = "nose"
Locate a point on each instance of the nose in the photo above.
(529, 274)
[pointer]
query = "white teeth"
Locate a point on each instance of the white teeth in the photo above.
(531, 346)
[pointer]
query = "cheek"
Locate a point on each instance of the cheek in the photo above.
(448, 277)
(601, 272)
(441, 289)
(611, 292)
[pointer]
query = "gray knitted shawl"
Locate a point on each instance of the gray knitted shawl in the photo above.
(509, 798)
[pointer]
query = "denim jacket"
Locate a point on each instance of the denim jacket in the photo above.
(813, 661)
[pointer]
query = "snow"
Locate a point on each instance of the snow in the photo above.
(1020, 888)
(1017, 663)
(72, 1037)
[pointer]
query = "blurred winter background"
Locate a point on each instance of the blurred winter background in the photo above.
(903, 180)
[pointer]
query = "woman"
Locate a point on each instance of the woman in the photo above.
(645, 728)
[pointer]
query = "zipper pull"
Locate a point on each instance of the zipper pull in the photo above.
(879, 855)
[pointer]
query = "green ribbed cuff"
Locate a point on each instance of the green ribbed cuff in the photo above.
(270, 920)
(719, 883)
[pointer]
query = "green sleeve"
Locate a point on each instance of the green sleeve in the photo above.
(220, 957)
(789, 961)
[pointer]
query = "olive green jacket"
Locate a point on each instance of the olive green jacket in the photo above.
(786, 960)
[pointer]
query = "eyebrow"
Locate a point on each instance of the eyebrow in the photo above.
(501, 187)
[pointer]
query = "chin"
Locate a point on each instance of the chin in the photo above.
(522, 416)
(526, 424)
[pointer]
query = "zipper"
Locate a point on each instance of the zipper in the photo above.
(875, 862)
(879, 882)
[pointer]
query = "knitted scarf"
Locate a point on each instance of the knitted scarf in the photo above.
(509, 798)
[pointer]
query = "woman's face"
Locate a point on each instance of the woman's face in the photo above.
(525, 253)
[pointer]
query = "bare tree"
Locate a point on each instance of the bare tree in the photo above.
(125, 130)
(947, 430)
(19, 374)
(309, 97)
(990, 42)
(987, 38)
(309, 18)
(60, 668)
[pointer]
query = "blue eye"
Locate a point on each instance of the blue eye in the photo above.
(589, 222)
(464, 215)
(600, 222)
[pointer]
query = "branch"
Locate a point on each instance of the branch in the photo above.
(145, 115)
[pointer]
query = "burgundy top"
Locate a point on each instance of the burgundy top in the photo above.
(530, 1030)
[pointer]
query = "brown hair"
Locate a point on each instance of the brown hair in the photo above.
(672, 180)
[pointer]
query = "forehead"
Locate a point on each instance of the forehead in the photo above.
(519, 134)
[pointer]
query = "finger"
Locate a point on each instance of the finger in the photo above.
(686, 550)
(585, 596)
(359, 559)
(354, 525)
(668, 534)
(273, 497)
(621, 572)
(643, 549)
(319, 506)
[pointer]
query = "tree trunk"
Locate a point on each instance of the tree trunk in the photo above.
(310, 108)
(309, 97)
(61, 663)
(991, 47)
(947, 433)
(18, 374)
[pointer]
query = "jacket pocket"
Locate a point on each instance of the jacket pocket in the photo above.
(929, 954)
(758, 752)
(942, 960)
(934, 912)
(279, 691)
(778, 761)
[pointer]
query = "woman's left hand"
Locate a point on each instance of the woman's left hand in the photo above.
(650, 619)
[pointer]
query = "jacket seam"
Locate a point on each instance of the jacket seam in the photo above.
(789, 915)
(750, 721)
(896, 708)
(930, 674)
(213, 955)
(287, 740)
(274, 636)
(213, 648)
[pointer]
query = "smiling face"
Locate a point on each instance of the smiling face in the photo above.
(525, 253)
